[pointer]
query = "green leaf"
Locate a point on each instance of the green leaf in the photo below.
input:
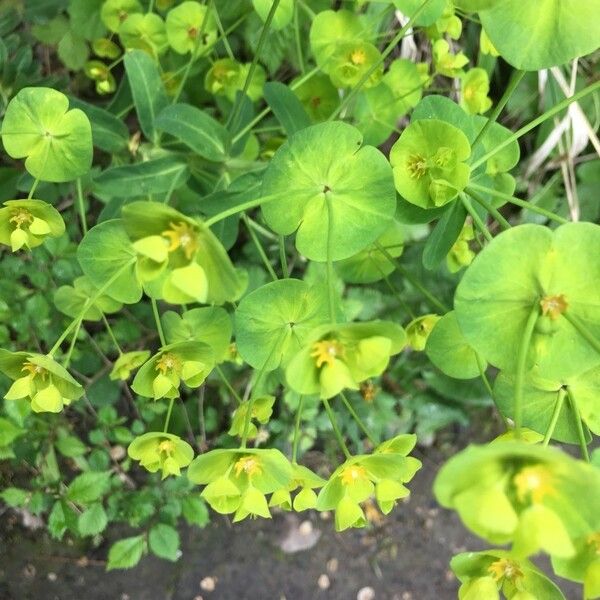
(286, 107)
(126, 553)
(108, 132)
(428, 16)
(337, 196)
(106, 251)
(14, 496)
(195, 511)
(283, 13)
(89, 487)
(533, 36)
(147, 89)
(9, 432)
(197, 130)
(92, 521)
(55, 141)
(443, 236)
(164, 542)
(73, 51)
(70, 446)
(157, 176)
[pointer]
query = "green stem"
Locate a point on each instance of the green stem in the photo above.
(67, 358)
(512, 86)
(297, 38)
(228, 385)
(260, 249)
(412, 279)
(247, 421)
(579, 425)
(223, 34)
(582, 331)
(159, 328)
(517, 202)
(476, 218)
(297, 429)
(81, 207)
(283, 258)
(111, 334)
(330, 288)
(358, 420)
(168, 417)
(259, 46)
(234, 210)
(560, 398)
(87, 305)
(386, 52)
(490, 209)
(336, 429)
(533, 124)
(33, 188)
(521, 366)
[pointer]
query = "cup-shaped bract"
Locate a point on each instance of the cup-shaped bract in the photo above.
(428, 161)
(338, 198)
(474, 89)
(351, 61)
(338, 357)
(55, 142)
(191, 28)
(318, 96)
(145, 32)
(260, 409)
(114, 12)
(331, 28)
(27, 223)
(128, 362)
(40, 379)
(161, 451)
(419, 329)
(226, 77)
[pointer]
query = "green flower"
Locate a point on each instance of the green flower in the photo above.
(262, 409)
(460, 254)
(524, 494)
(179, 259)
(190, 28)
(162, 375)
(445, 62)
(164, 451)
(27, 223)
(485, 44)
(144, 32)
(584, 566)
(303, 480)
(428, 161)
(339, 357)
(318, 96)
(105, 48)
(448, 23)
(72, 300)
(381, 474)
(40, 379)
(127, 362)
(98, 72)
(350, 61)
(474, 90)
(114, 12)
(226, 77)
(237, 481)
(418, 331)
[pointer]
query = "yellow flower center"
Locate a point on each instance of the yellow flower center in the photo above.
(416, 166)
(168, 362)
(166, 446)
(249, 465)
(505, 569)
(554, 306)
(21, 217)
(353, 473)
(326, 351)
(358, 57)
(533, 483)
(181, 235)
(34, 370)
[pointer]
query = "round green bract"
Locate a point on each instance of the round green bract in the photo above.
(542, 34)
(339, 197)
(184, 24)
(72, 300)
(508, 279)
(144, 32)
(330, 28)
(56, 142)
(114, 12)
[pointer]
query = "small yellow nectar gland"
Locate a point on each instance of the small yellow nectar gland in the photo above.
(21, 217)
(249, 465)
(166, 446)
(416, 166)
(168, 362)
(352, 474)
(181, 235)
(34, 370)
(554, 306)
(505, 568)
(326, 351)
(533, 483)
(358, 57)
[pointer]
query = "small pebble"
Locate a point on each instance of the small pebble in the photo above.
(366, 593)
(305, 528)
(29, 571)
(117, 452)
(208, 584)
(52, 576)
(198, 598)
(332, 565)
(323, 582)
(325, 515)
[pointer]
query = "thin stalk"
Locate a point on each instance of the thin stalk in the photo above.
(81, 207)
(297, 38)
(476, 218)
(508, 92)
(247, 421)
(283, 258)
(223, 34)
(336, 429)
(386, 52)
(579, 426)
(111, 334)
(168, 417)
(297, 429)
(412, 279)
(67, 358)
(234, 210)
(228, 385)
(582, 331)
(259, 46)
(330, 288)
(521, 365)
(161, 335)
(490, 209)
(516, 201)
(358, 420)
(560, 399)
(33, 188)
(260, 249)
(533, 124)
